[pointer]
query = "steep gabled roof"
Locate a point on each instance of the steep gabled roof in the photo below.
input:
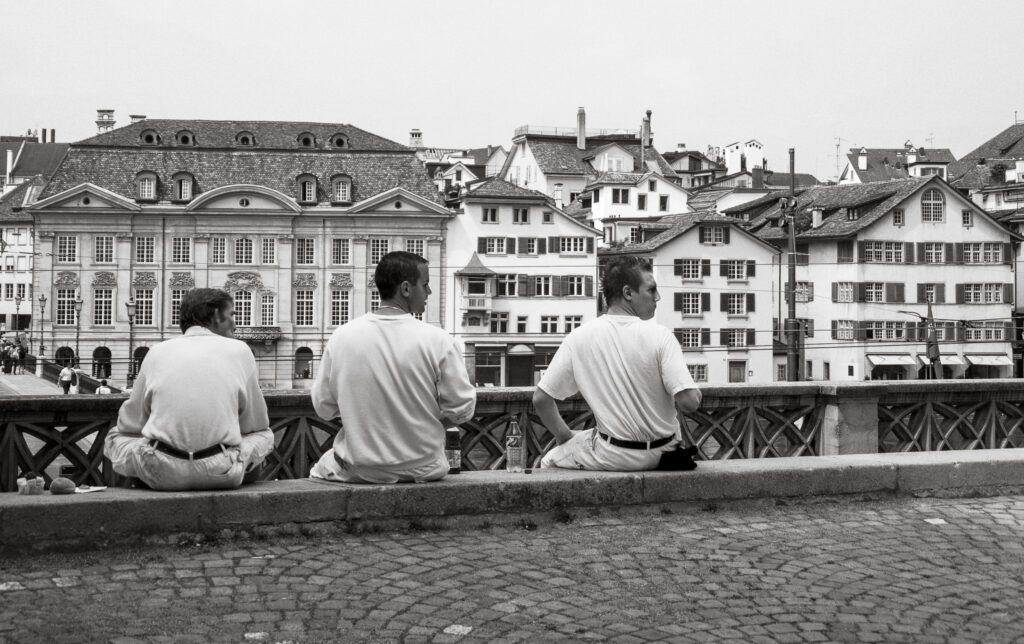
(559, 155)
(875, 199)
(268, 135)
(885, 164)
(13, 203)
(678, 224)
(705, 198)
(494, 187)
(1008, 144)
(39, 158)
(116, 169)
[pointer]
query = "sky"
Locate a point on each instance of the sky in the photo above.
(795, 74)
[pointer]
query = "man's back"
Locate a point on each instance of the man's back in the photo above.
(391, 379)
(628, 371)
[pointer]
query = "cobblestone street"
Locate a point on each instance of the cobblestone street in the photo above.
(931, 570)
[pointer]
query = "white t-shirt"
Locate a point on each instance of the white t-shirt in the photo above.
(392, 379)
(628, 370)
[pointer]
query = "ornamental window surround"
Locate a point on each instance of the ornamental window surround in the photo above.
(341, 189)
(146, 184)
(185, 137)
(245, 139)
(339, 141)
(306, 140)
(183, 184)
(149, 137)
(307, 188)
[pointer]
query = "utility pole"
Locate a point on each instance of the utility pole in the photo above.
(792, 326)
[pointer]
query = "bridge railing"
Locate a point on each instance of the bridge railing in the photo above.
(44, 433)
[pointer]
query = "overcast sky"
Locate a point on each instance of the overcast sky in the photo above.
(789, 74)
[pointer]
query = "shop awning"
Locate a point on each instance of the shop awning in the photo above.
(886, 359)
(997, 360)
(948, 359)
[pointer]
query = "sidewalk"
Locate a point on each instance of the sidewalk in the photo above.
(26, 384)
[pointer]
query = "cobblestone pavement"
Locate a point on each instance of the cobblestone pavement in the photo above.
(928, 570)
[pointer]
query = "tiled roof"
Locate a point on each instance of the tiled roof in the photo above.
(875, 200)
(617, 178)
(495, 187)
(885, 164)
(273, 135)
(115, 169)
(560, 155)
(679, 225)
(1008, 144)
(974, 176)
(39, 158)
(481, 155)
(12, 203)
(4, 147)
(706, 198)
(782, 180)
(673, 156)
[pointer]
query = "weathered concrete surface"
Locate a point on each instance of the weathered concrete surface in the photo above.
(123, 516)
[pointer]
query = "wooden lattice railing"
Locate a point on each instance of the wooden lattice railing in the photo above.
(43, 433)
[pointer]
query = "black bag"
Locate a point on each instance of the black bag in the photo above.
(679, 459)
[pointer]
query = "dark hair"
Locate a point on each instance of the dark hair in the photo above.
(199, 305)
(623, 271)
(103, 382)
(393, 269)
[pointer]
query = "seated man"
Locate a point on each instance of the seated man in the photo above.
(396, 383)
(196, 418)
(632, 374)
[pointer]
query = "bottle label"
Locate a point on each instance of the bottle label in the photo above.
(454, 457)
(513, 442)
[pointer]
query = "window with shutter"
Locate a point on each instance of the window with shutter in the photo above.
(705, 267)
(751, 268)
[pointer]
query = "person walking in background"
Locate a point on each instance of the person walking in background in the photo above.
(196, 418)
(633, 376)
(395, 382)
(103, 388)
(65, 378)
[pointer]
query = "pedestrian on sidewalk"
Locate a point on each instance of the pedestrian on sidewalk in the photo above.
(103, 388)
(209, 430)
(395, 382)
(66, 378)
(632, 375)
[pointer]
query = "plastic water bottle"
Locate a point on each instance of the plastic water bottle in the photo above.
(453, 450)
(515, 449)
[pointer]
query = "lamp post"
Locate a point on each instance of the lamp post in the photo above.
(130, 307)
(17, 314)
(78, 328)
(42, 347)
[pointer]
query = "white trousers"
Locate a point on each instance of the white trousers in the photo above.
(329, 469)
(588, 451)
(132, 455)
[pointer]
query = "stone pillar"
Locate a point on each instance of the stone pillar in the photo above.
(201, 249)
(850, 425)
(438, 303)
(361, 278)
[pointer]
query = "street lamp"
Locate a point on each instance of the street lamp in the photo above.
(78, 328)
(42, 348)
(130, 307)
(17, 314)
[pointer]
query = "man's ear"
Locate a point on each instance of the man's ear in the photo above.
(627, 292)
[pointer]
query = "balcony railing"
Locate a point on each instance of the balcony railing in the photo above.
(42, 433)
(478, 303)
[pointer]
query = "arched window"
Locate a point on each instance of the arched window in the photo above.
(243, 308)
(101, 363)
(339, 141)
(933, 205)
(307, 188)
(183, 184)
(185, 137)
(245, 139)
(341, 189)
(65, 356)
(304, 363)
(140, 355)
(149, 137)
(307, 140)
(146, 186)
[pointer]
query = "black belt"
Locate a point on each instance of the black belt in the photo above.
(179, 453)
(618, 442)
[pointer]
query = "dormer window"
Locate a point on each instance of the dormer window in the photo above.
(149, 137)
(307, 140)
(245, 139)
(183, 183)
(341, 189)
(185, 138)
(146, 186)
(852, 214)
(339, 141)
(307, 188)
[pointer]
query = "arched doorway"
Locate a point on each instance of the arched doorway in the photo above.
(101, 363)
(140, 355)
(64, 356)
(304, 363)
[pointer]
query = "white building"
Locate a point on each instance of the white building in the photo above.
(716, 282)
(864, 165)
(872, 256)
(522, 275)
(16, 253)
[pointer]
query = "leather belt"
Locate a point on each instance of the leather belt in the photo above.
(182, 454)
(618, 442)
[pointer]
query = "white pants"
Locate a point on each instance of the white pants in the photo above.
(132, 455)
(588, 451)
(328, 468)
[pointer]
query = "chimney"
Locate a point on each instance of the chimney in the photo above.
(645, 131)
(581, 129)
(137, 117)
(757, 178)
(680, 147)
(415, 139)
(10, 166)
(53, 135)
(862, 159)
(911, 156)
(743, 163)
(104, 121)
(42, 135)
(816, 216)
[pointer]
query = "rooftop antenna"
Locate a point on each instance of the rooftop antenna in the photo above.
(931, 139)
(839, 141)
